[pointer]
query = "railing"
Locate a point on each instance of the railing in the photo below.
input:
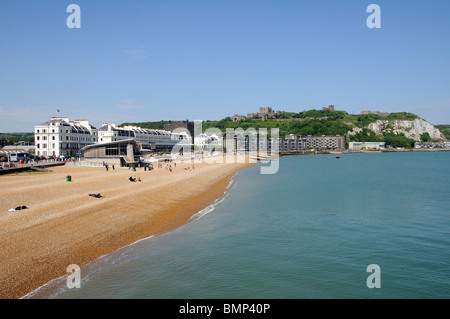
(28, 163)
(84, 163)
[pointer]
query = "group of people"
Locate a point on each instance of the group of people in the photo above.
(133, 179)
(17, 208)
(149, 166)
(106, 165)
(167, 167)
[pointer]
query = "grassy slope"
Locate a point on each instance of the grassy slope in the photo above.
(445, 129)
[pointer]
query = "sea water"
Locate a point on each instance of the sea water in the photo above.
(308, 231)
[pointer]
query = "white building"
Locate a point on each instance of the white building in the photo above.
(61, 137)
(158, 140)
(208, 142)
(359, 146)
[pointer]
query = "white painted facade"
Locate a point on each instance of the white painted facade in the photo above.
(358, 146)
(62, 137)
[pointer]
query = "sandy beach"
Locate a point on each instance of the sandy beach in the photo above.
(63, 225)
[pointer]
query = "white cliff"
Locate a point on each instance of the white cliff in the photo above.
(411, 129)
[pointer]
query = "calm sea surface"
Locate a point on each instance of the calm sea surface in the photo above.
(309, 231)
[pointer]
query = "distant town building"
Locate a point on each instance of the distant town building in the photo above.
(208, 142)
(180, 124)
(62, 137)
(19, 148)
(23, 143)
(322, 142)
(436, 144)
(291, 143)
(361, 146)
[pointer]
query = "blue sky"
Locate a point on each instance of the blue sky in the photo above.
(146, 60)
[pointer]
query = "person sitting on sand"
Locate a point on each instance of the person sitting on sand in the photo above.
(132, 179)
(17, 208)
(139, 179)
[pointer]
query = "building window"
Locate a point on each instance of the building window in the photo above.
(112, 150)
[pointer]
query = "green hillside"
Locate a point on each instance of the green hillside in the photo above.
(445, 129)
(17, 137)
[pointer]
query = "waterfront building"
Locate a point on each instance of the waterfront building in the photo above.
(294, 142)
(229, 143)
(361, 146)
(155, 140)
(126, 152)
(208, 142)
(325, 142)
(62, 137)
(291, 143)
